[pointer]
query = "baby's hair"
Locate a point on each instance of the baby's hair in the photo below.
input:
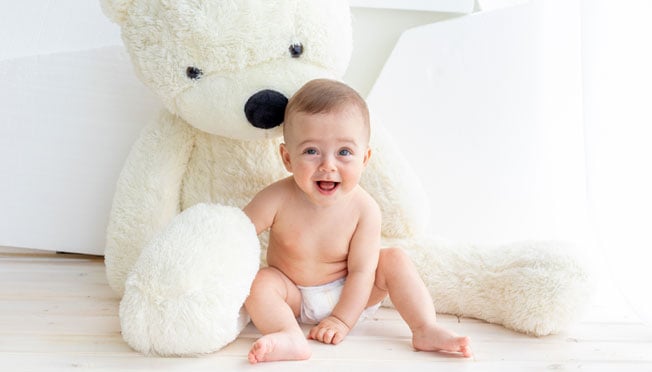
(323, 96)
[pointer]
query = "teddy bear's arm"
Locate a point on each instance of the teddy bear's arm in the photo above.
(147, 194)
(390, 180)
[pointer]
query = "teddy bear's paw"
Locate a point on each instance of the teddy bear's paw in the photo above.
(534, 287)
(544, 286)
(185, 293)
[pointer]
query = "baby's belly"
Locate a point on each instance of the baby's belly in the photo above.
(309, 275)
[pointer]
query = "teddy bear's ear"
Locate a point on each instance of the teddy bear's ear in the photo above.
(116, 10)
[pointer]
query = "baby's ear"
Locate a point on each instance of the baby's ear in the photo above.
(285, 156)
(367, 156)
(116, 10)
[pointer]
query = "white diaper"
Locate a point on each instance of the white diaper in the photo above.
(319, 301)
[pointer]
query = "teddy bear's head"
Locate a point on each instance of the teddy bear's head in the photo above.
(227, 67)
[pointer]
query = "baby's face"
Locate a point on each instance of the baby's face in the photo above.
(326, 153)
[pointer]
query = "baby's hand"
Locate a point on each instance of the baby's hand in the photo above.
(329, 331)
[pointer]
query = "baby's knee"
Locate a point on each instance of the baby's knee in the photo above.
(272, 281)
(393, 256)
(267, 278)
(261, 287)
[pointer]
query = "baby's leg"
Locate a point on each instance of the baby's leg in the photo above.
(273, 305)
(397, 276)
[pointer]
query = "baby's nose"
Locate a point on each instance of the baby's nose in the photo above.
(327, 164)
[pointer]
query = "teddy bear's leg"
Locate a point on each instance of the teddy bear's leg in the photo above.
(185, 293)
(394, 185)
(537, 287)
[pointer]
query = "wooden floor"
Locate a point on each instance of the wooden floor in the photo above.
(58, 313)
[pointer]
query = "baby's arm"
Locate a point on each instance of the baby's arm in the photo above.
(362, 262)
(261, 210)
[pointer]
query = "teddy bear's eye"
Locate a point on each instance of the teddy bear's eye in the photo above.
(296, 50)
(194, 73)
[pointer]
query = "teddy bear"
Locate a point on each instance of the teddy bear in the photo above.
(179, 250)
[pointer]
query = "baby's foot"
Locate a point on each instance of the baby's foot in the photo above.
(435, 338)
(279, 346)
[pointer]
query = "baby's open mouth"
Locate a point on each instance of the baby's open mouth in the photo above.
(327, 185)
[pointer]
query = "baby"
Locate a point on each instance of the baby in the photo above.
(325, 262)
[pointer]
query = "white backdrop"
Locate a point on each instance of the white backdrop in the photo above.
(617, 55)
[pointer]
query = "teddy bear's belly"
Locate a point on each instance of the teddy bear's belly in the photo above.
(230, 172)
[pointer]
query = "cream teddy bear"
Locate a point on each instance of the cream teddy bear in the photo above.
(179, 249)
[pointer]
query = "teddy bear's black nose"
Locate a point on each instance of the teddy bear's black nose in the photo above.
(266, 109)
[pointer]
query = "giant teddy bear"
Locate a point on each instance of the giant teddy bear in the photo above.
(180, 251)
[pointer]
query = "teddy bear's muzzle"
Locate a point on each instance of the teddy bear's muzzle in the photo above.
(266, 109)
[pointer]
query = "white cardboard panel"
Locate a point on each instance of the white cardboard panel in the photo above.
(485, 5)
(487, 108)
(31, 27)
(452, 6)
(375, 33)
(67, 122)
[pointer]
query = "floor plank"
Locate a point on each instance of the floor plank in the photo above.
(58, 313)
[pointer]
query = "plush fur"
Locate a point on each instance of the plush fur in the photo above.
(180, 250)
(167, 302)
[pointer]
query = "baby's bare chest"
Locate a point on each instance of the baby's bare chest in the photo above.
(316, 238)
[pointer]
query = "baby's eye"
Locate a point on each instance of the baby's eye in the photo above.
(310, 151)
(345, 152)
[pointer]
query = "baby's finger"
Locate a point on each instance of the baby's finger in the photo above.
(312, 335)
(328, 336)
(337, 338)
(321, 334)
